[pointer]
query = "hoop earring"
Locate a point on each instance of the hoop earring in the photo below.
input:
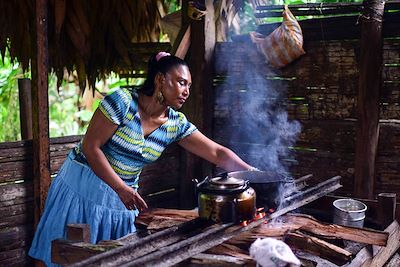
(160, 98)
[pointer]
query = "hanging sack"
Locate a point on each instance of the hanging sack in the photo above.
(284, 44)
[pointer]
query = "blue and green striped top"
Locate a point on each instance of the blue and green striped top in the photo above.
(128, 151)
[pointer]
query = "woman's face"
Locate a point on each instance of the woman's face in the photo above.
(175, 86)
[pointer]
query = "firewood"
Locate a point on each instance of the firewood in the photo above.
(361, 235)
(161, 222)
(230, 250)
(293, 222)
(146, 217)
(380, 254)
(318, 247)
(219, 260)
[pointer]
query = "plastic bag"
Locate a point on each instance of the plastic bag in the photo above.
(270, 252)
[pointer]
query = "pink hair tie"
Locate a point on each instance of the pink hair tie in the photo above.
(161, 55)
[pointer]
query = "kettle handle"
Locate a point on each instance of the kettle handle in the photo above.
(197, 183)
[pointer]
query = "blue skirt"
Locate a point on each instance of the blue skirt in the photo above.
(77, 195)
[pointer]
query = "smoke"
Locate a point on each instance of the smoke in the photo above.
(251, 112)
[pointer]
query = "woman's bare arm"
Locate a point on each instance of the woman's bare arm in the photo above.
(204, 147)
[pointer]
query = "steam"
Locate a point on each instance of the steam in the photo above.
(253, 114)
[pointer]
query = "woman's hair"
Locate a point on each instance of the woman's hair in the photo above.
(164, 63)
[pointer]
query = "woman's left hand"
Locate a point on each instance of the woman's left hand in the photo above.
(131, 198)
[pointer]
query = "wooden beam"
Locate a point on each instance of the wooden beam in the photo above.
(380, 255)
(369, 85)
(78, 232)
(25, 107)
(182, 42)
(199, 107)
(40, 110)
(386, 209)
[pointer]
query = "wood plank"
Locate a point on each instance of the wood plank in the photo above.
(380, 254)
(68, 252)
(208, 259)
(383, 254)
(360, 235)
(318, 247)
(15, 237)
(14, 194)
(299, 222)
(17, 214)
(40, 104)
(368, 98)
(182, 42)
(16, 257)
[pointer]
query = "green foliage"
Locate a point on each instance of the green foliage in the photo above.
(9, 105)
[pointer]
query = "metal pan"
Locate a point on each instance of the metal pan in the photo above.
(269, 186)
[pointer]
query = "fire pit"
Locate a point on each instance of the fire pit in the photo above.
(180, 242)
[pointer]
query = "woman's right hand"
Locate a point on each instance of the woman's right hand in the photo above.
(131, 198)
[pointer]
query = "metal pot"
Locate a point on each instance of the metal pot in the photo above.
(268, 185)
(226, 199)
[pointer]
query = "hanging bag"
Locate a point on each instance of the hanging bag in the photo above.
(284, 44)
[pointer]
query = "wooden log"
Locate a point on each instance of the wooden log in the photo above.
(68, 252)
(313, 193)
(146, 245)
(318, 247)
(40, 112)
(25, 106)
(208, 259)
(368, 98)
(380, 255)
(78, 232)
(387, 209)
(231, 250)
(295, 222)
(361, 235)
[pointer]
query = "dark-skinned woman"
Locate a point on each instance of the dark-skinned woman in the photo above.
(97, 184)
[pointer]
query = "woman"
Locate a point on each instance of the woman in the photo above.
(98, 182)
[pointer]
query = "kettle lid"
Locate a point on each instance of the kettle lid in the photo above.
(223, 184)
(226, 182)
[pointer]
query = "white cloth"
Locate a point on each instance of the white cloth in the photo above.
(270, 252)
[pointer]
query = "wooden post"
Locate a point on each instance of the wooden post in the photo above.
(78, 232)
(199, 108)
(25, 108)
(386, 209)
(40, 110)
(368, 98)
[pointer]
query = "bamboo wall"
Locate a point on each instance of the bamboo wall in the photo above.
(159, 186)
(320, 91)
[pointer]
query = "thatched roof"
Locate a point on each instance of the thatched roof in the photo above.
(92, 35)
